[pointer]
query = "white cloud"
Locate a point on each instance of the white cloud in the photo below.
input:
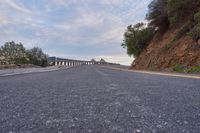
(14, 5)
(111, 2)
(118, 58)
(94, 24)
(3, 19)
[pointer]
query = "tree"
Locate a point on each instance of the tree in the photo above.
(163, 13)
(137, 38)
(178, 9)
(157, 14)
(37, 57)
(13, 53)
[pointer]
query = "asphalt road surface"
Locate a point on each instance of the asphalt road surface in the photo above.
(93, 99)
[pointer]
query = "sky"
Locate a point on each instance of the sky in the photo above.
(75, 29)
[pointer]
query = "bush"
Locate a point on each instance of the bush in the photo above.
(195, 32)
(22, 60)
(15, 53)
(179, 68)
(177, 9)
(194, 69)
(37, 57)
(163, 13)
(197, 17)
(137, 38)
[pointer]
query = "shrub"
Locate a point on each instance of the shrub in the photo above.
(22, 60)
(177, 9)
(37, 57)
(195, 32)
(194, 69)
(163, 13)
(179, 68)
(197, 17)
(13, 52)
(137, 38)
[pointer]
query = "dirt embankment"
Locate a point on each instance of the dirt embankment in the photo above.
(165, 53)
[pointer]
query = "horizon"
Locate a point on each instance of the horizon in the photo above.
(72, 29)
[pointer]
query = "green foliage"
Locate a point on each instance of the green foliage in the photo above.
(182, 69)
(22, 60)
(177, 9)
(157, 15)
(137, 38)
(37, 57)
(163, 13)
(197, 17)
(194, 69)
(195, 32)
(179, 68)
(15, 53)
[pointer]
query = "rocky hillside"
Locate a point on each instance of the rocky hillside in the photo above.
(165, 54)
(170, 40)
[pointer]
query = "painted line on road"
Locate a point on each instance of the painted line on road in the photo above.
(155, 73)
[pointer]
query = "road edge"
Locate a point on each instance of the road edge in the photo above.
(155, 73)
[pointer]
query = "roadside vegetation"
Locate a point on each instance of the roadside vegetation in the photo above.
(183, 69)
(137, 38)
(16, 53)
(163, 15)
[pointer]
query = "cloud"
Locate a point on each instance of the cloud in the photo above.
(119, 58)
(14, 6)
(3, 20)
(71, 28)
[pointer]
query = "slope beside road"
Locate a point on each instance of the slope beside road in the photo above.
(94, 99)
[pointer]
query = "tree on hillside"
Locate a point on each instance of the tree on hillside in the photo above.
(137, 38)
(163, 13)
(157, 14)
(37, 57)
(179, 9)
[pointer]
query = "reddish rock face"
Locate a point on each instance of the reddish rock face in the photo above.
(159, 55)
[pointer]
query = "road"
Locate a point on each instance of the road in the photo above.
(93, 99)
